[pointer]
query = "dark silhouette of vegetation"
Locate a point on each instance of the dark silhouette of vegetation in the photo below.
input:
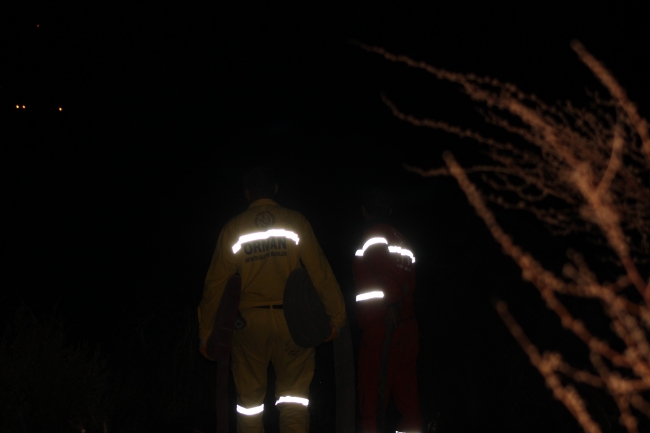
(151, 379)
(48, 384)
(148, 377)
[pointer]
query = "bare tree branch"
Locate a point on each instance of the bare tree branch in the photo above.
(596, 163)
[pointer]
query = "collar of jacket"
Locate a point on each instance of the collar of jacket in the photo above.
(262, 202)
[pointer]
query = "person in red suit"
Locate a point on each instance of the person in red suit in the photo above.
(384, 276)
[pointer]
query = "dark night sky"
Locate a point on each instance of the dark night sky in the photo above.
(115, 202)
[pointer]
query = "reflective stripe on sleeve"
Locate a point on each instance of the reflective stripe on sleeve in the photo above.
(252, 411)
(376, 294)
(265, 235)
(290, 399)
(369, 243)
(402, 251)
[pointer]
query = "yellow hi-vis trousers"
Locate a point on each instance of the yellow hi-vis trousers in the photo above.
(266, 338)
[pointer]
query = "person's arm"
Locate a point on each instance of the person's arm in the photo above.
(222, 267)
(321, 275)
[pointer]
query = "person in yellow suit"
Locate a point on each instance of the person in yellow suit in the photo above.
(264, 244)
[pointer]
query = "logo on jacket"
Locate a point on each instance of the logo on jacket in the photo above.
(264, 219)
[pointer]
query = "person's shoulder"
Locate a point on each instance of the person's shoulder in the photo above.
(241, 215)
(230, 224)
(292, 213)
(238, 219)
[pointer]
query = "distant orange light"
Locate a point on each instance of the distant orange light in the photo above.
(23, 106)
(17, 106)
(60, 109)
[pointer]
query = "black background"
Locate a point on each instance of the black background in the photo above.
(112, 206)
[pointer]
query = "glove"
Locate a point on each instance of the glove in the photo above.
(333, 335)
(203, 349)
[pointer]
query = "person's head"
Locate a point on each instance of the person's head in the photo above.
(259, 182)
(376, 203)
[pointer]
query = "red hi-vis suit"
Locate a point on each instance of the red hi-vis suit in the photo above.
(384, 275)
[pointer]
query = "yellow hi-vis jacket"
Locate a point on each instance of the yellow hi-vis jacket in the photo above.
(264, 244)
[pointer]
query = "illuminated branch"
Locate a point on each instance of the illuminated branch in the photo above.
(614, 385)
(566, 394)
(532, 271)
(565, 138)
(617, 91)
(596, 163)
(605, 215)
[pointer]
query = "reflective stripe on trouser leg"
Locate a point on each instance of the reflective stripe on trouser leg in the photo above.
(266, 338)
(294, 369)
(250, 359)
(249, 418)
(250, 410)
(294, 416)
(292, 399)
